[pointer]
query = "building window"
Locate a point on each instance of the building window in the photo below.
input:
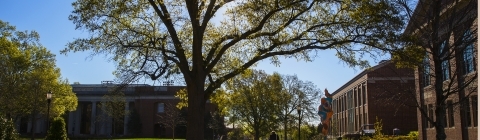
(474, 110)
(358, 97)
(86, 117)
(355, 103)
(365, 118)
(468, 64)
(356, 123)
(361, 119)
(445, 64)
(451, 120)
(350, 98)
(468, 59)
(426, 71)
(430, 114)
(160, 107)
(364, 94)
(469, 112)
(341, 104)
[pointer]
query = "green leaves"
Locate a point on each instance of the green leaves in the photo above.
(254, 100)
(158, 39)
(28, 73)
(264, 102)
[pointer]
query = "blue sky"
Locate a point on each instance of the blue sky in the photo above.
(50, 20)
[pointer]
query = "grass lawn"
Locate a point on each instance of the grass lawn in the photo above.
(116, 139)
(147, 139)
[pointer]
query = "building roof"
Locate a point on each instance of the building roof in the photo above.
(101, 89)
(363, 73)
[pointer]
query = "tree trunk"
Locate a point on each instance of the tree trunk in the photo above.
(461, 94)
(196, 109)
(257, 135)
(285, 128)
(114, 127)
(440, 111)
(440, 121)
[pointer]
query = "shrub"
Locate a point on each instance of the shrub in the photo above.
(413, 134)
(57, 130)
(378, 128)
(7, 129)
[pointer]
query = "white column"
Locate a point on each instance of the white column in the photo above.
(103, 122)
(93, 117)
(125, 119)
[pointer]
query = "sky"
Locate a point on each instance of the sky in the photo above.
(50, 19)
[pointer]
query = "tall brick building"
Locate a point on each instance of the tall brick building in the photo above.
(447, 30)
(381, 91)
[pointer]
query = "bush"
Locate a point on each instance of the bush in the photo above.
(413, 134)
(57, 130)
(7, 129)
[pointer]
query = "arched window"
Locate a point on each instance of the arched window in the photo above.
(426, 71)
(445, 64)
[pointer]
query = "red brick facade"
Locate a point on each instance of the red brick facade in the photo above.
(149, 101)
(460, 105)
(381, 91)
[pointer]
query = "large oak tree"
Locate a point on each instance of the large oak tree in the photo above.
(210, 41)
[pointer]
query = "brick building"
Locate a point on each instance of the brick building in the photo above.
(381, 91)
(451, 59)
(149, 101)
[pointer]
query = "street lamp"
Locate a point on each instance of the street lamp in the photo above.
(299, 111)
(49, 99)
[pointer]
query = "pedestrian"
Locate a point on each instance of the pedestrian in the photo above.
(274, 136)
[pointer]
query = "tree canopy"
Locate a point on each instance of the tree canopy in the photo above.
(153, 39)
(262, 102)
(28, 73)
(256, 101)
(113, 105)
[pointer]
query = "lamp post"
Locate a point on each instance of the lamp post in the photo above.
(49, 99)
(299, 111)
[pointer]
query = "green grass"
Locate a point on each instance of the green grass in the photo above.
(146, 139)
(116, 139)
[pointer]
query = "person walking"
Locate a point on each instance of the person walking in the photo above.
(274, 136)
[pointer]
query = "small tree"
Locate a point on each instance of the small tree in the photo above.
(57, 130)
(378, 128)
(114, 107)
(171, 117)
